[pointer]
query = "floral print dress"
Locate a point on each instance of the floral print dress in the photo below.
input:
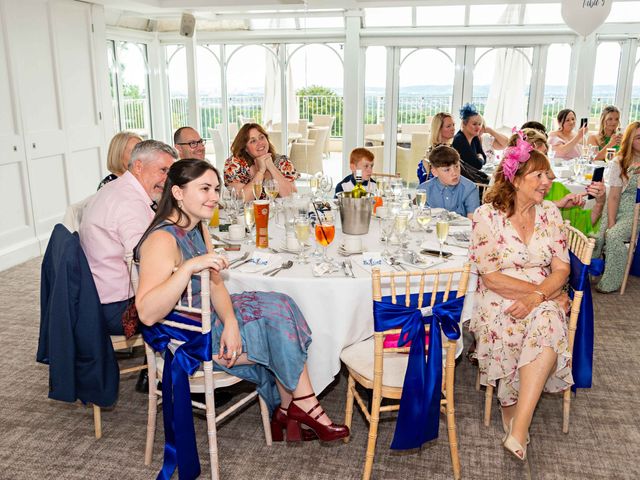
(238, 170)
(504, 343)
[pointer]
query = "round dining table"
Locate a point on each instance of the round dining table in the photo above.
(337, 307)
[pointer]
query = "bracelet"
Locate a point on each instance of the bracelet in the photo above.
(542, 294)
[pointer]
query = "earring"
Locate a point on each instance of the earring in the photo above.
(180, 204)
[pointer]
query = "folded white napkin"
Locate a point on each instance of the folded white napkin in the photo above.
(371, 260)
(259, 262)
(434, 245)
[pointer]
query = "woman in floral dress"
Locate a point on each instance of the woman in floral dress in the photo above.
(519, 322)
(253, 160)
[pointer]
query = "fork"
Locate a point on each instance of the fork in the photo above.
(350, 265)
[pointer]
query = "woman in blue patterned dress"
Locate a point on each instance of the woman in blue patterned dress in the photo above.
(262, 337)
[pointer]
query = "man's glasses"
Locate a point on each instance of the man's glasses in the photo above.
(195, 143)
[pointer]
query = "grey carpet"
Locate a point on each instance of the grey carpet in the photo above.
(42, 438)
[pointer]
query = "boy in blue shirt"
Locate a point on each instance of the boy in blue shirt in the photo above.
(359, 159)
(448, 189)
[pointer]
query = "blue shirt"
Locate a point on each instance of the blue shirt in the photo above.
(462, 198)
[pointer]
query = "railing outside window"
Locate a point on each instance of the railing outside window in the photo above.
(411, 109)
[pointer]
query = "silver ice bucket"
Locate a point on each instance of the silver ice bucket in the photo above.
(355, 214)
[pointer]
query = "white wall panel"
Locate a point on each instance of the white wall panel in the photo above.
(16, 219)
(30, 37)
(84, 173)
(71, 21)
(48, 189)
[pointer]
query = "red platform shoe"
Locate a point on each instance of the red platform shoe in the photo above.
(296, 416)
(279, 425)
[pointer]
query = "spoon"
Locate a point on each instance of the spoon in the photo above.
(239, 259)
(285, 265)
(394, 262)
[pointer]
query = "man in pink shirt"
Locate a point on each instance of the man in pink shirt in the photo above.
(114, 220)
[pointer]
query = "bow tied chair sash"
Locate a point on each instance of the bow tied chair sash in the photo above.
(419, 415)
(180, 448)
(635, 265)
(582, 368)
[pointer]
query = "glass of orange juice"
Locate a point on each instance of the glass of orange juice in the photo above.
(325, 232)
(215, 218)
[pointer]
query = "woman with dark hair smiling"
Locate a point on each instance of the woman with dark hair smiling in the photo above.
(467, 143)
(255, 334)
(563, 140)
(254, 159)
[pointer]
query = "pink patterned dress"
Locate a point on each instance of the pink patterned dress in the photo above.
(504, 343)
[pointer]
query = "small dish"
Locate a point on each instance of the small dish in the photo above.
(283, 248)
(341, 249)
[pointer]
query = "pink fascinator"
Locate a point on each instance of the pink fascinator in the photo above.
(513, 157)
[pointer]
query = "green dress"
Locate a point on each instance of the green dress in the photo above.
(577, 216)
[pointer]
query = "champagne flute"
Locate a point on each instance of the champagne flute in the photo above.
(442, 231)
(314, 184)
(577, 167)
(325, 232)
(249, 219)
(257, 190)
(302, 230)
(400, 227)
(421, 197)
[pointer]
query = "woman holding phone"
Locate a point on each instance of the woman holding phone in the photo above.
(607, 136)
(564, 142)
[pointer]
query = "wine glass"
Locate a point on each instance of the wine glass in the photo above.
(442, 231)
(325, 232)
(386, 229)
(271, 188)
(593, 152)
(326, 185)
(249, 220)
(421, 197)
(423, 217)
(302, 225)
(396, 188)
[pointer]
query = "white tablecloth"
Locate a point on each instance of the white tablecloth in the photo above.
(337, 308)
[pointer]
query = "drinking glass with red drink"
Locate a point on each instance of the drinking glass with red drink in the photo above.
(325, 232)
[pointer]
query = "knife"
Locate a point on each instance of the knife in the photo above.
(220, 239)
(241, 263)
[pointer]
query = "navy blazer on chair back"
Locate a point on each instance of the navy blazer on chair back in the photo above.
(73, 336)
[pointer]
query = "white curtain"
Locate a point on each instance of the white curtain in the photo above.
(506, 105)
(271, 106)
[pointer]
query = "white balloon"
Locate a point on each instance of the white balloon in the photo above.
(584, 16)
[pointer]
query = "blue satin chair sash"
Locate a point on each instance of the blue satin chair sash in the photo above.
(582, 363)
(635, 265)
(180, 448)
(419, 415)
